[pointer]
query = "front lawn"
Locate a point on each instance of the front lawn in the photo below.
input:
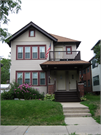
(93, 102)
(31, 112)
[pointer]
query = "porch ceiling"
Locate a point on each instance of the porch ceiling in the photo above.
(65, 65)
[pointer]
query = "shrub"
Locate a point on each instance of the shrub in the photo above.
(50, 97)
(23, 91)
(7, 95)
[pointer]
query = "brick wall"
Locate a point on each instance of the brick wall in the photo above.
(81, 89)
(87, 77)
(50, 88)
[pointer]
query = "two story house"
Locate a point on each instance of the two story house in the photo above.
(54, 72)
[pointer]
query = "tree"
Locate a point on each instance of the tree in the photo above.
(5, 74)
(97, 53)
(7, 6)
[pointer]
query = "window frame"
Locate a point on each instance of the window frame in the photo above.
(37, 53)
(22, 53)
(31, 77)
(97, 80)
(84, 71)
(88, 69)
(41, 78)
(70, 50)
(31, 52)
(85, 83)
(89, 83)
(17, 77)
(30, 31)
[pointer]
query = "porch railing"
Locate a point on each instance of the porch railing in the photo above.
(64, 55)
(78, 92)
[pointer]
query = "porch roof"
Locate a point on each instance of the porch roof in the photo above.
(66, 64)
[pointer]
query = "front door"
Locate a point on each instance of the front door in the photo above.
(61, 84)
(72, 80)
(58, 53)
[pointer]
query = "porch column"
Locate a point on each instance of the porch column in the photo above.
(48, 78)
(81, 89)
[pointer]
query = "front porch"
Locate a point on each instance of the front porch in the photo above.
(63, 78)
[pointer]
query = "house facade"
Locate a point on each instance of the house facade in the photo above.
(96, 72)
(50, 72)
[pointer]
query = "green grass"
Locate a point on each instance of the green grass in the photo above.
(93, 102)
(31, 112)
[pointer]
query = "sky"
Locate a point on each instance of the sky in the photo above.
(75, 19)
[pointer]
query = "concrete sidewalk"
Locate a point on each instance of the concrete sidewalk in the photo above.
(51, 130)
(79, 125)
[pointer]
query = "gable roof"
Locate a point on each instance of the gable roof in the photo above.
(25, 28)
(96, 44)
(53, 37)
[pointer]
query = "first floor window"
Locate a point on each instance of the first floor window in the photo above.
(20, 52)
(88, 83)
(27, 52)
(19, 78)
(84, 71)
(96, 80)
(88, 69)
(42, 78)
(35, 78)
(84, 83)
(27, 77)
(31, 77)
(42, 52)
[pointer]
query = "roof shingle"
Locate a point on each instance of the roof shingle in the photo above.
(64, 62)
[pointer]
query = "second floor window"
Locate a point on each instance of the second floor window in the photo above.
(68, 50)
(27, 52)
(42, 52)
(35, 52)
(20, 52)
(30, 52)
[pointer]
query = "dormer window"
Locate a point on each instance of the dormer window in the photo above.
(31, 33)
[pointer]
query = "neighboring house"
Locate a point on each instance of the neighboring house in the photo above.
(92, 75)
(87, 78)
(56, 72)
(96, 72)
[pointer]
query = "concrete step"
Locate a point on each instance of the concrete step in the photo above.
(76, 111)
(75, 108)
(76, 114)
